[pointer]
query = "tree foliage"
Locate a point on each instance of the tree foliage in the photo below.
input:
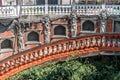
(94, 68)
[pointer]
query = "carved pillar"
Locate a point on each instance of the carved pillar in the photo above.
(17, 30)
(20, 38)
(73, 23)
(46, 25)
(103, 20)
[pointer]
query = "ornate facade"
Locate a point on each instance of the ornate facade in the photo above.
(24, 27)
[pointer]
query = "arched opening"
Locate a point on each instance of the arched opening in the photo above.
(33, 36)
(60, 30)
(40, 2)
(6, 44)
(52, 1)
(116, 26)
(88, 26)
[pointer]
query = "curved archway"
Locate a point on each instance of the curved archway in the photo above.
(6, 44)
(88, 26)
(33, 36)
(60, 30)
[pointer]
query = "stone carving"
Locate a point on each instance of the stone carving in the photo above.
(46, 24)
(16, 28)
(73, 23)
(20, 38)
(103, 17)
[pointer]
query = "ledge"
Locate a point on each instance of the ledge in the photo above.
(32, 42)
(59, 36)
(6, 50)
(87, 31)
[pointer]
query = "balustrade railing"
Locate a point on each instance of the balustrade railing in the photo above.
(88, 9)
(15, 11)
(67, 9)
(58, 9)
(113, 9)
(33, 10)
(9, 11)
(80, 45)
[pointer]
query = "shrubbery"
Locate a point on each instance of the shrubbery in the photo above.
(94, 68)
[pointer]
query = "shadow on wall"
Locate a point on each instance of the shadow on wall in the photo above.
(4, 25)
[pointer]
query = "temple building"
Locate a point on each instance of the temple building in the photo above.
(25, 24)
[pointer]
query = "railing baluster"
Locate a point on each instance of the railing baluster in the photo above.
(41, 53)
(57, 49)
(77, 46)
(45, 51)
(67, 47)
(6, 68)
(52, 50)
(3, 68)
(80, 44)
(1, 72)
(101, 43)
(11, 67)
(86, 44)
(91, 42)
(62, 46)
(106, 41)
(111, 41)
(72, 46)
(116, 40)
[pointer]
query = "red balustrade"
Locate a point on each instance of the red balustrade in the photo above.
(59, 49)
